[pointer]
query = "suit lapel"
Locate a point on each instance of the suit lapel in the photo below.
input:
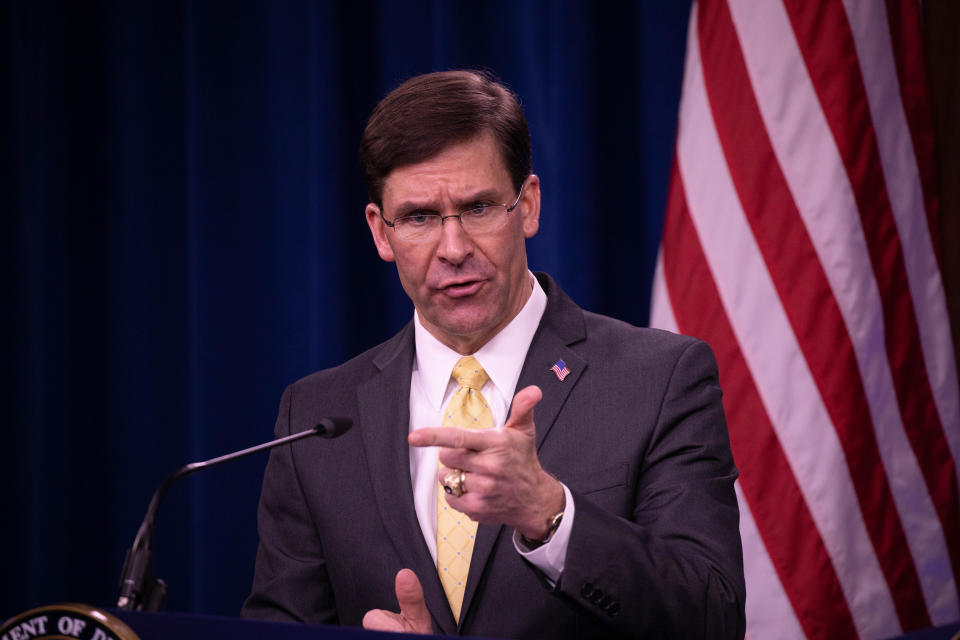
(546, 348)
(384, 402)
(561, 326)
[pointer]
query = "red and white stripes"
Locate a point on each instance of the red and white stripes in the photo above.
(797, 244)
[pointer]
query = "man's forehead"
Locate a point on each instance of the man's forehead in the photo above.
(461, 169)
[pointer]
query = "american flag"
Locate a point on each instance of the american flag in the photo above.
(801, 243)
(560, 368)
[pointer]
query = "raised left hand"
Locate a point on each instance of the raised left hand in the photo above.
(413, 617)
(505, 483)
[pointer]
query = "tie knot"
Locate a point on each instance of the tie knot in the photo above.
(468, 373)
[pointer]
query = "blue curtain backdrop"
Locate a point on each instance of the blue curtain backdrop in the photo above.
(183, 235)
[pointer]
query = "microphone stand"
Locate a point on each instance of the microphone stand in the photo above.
(140, 590)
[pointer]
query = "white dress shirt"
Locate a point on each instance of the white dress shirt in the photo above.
(431, 388)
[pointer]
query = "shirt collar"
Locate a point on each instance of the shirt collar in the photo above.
(501, 357)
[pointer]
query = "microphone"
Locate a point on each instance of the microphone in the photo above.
(140, 590)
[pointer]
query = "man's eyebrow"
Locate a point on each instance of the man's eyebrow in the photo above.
(411, 206)
(486, 195)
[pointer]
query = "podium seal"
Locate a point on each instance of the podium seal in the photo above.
(66, 621)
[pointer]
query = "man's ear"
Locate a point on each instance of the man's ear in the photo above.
(379, 232)
(530, 206)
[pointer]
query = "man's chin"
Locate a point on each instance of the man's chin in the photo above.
(466, 329)
(462, 326)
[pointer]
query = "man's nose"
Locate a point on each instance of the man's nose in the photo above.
(455, 244)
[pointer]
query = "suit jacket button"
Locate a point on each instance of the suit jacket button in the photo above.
(586, 590)
(596, 596)
(613, 609)
(605, 603)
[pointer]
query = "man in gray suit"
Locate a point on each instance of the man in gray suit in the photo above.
(594, 455)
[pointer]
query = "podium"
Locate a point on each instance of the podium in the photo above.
(84, 622)
(73, 620)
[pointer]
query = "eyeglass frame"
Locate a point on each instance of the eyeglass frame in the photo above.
(458, 216)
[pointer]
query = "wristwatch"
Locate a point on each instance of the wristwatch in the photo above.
(553, 523)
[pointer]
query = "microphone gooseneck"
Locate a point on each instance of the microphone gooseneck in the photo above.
(140, 590)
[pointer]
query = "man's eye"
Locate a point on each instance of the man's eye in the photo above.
(417, 219)
(478, 210)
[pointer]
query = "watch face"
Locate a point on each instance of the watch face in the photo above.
(66, 621)
(554, 524)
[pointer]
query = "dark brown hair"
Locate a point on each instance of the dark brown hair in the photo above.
(429, 113)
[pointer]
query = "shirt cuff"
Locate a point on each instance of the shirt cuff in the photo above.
(550, 557)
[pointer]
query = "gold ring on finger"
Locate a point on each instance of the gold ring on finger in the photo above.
(454, 482)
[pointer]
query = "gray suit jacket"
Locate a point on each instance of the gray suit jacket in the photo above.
(636, 431)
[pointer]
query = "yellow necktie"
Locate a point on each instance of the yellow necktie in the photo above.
(455, 531)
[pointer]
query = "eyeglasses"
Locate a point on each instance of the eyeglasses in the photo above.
(477, 219)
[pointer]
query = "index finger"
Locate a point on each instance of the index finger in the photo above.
(452, 437)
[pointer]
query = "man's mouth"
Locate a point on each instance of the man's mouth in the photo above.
(462, 289)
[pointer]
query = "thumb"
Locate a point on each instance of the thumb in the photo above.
(413, 607)
(521, 412)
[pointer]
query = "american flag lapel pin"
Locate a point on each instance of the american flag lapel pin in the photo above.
(560, 368)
